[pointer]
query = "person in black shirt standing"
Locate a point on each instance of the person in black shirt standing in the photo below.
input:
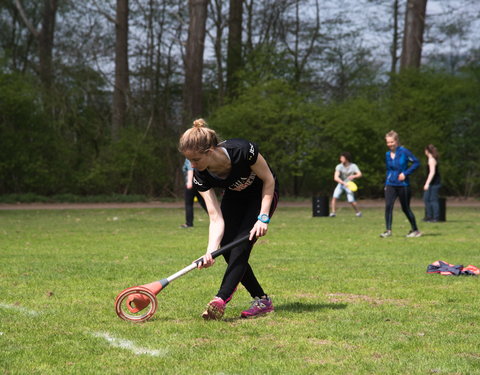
(432, 186)
(248, 203)
(190, 194)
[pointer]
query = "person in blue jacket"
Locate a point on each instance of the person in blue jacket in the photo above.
(400, 163)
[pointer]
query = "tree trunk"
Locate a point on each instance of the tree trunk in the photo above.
(394, 50)
(234, 51)
(121, 86)
(413, 34)
(44, 38)
(216, 7)
(193, 95)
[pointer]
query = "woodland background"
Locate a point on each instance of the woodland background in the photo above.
(95, 94)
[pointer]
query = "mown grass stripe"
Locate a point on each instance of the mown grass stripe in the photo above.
(21, 309)
(129, 345)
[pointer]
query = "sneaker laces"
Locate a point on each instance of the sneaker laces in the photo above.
(257, 302)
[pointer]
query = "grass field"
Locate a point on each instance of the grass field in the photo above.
(347, 301)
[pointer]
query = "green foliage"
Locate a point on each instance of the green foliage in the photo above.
(132, 165)
(307, 90)
(462, 154)
(442, 109)
(356, 126)
(280, 120)
(58, 142)
(420, 107)
(264, 64)
(71, 198)
(302, 139)
(33, 157)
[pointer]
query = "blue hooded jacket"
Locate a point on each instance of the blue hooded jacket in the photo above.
(404, 162)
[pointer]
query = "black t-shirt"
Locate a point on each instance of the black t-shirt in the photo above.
(436, 180)
(243, 154)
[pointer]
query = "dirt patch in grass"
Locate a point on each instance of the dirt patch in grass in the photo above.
(306, 295)
(321, 342)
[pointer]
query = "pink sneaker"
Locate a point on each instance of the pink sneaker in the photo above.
(215, 309)
(259, 306)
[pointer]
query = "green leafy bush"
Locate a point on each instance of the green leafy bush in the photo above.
(33, 157)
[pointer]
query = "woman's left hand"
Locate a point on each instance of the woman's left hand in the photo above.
(401, 177)
(259, 229)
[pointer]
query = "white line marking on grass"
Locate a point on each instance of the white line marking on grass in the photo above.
(19, 308)
(129, 345)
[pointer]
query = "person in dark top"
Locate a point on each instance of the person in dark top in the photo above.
(249, 200)
(432, 185)
(400, 163)
(190, 194)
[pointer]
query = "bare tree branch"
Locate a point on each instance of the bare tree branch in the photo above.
(103, 13)
(30, 27)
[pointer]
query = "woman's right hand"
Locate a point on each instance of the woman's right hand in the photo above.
(206, 261)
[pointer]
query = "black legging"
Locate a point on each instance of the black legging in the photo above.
(240, 215)
(404, 194)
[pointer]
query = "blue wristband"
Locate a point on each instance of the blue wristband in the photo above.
(264, 218)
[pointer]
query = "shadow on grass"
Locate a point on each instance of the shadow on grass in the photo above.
(452, 221)
(299, 307)
(296, 307)
(431, 234)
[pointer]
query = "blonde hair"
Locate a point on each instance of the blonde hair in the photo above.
(198, 138)
(393, 134)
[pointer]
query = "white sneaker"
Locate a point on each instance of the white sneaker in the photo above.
(358, 214)
(387, 233)
(414, 233)
(333, 214)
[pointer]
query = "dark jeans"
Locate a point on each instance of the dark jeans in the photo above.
(240, 215)
(404, 194)
(432, 206)
(190, 194)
